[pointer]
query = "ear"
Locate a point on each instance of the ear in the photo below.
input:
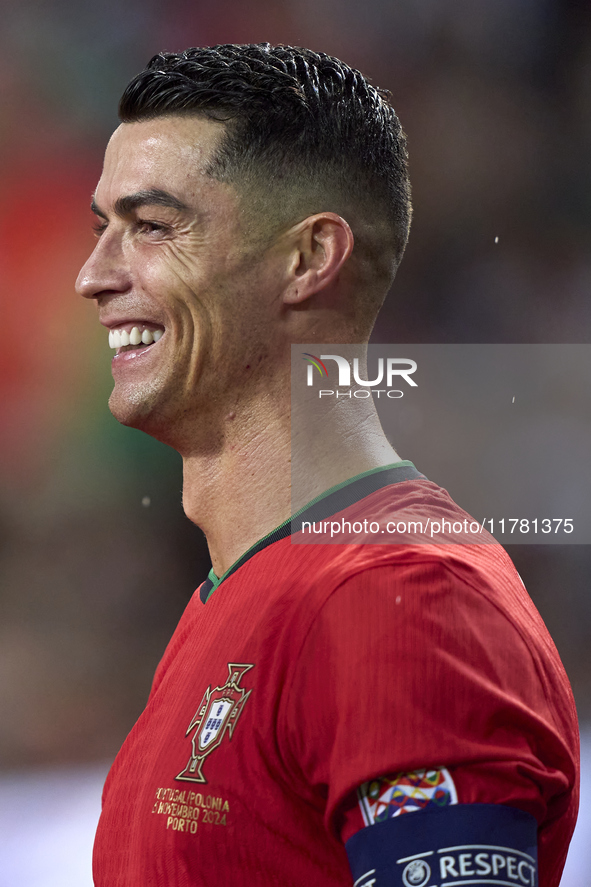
(321, 245)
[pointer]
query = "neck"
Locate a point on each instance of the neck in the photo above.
(243, 490)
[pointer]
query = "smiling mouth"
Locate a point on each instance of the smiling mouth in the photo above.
(128, 337)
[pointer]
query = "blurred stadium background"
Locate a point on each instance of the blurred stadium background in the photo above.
(97, 560)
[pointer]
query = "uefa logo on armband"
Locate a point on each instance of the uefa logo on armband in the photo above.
(416, 873)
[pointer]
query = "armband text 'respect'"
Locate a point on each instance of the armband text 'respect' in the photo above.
(463, 844)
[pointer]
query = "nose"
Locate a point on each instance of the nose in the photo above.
(105, 272)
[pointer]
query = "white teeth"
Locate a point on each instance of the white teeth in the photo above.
(119, 338)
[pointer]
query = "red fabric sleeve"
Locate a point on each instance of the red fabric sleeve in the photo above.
(419, 667)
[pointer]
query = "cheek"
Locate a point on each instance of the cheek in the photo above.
(188, 274)
(167, 282)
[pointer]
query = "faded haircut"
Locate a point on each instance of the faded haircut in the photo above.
(305, 133)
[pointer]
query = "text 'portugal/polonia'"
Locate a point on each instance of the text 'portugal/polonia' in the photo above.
(217, 714)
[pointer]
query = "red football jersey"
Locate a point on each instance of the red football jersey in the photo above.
(311, 669)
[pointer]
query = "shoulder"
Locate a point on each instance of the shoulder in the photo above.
(434, 641)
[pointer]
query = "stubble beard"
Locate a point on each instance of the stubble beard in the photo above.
(145, 406)
(132, 404)
(162, 412)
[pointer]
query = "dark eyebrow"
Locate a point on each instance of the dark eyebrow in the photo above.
(152, 196)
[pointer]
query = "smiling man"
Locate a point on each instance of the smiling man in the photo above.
(254, 197)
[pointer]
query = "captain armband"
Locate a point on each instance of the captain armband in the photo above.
(448, 846)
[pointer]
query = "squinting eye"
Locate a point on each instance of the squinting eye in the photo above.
(151, 227)
(99, 228)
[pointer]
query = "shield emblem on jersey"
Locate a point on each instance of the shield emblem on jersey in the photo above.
(219, 711)
(217, 715)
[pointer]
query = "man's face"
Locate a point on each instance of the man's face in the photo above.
(175, 271)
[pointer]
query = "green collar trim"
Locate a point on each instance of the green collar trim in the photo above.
(212, 582)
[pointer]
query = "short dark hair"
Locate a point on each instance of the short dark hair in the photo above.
(295, 119)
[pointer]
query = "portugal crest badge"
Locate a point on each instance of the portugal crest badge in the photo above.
(218, 712)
